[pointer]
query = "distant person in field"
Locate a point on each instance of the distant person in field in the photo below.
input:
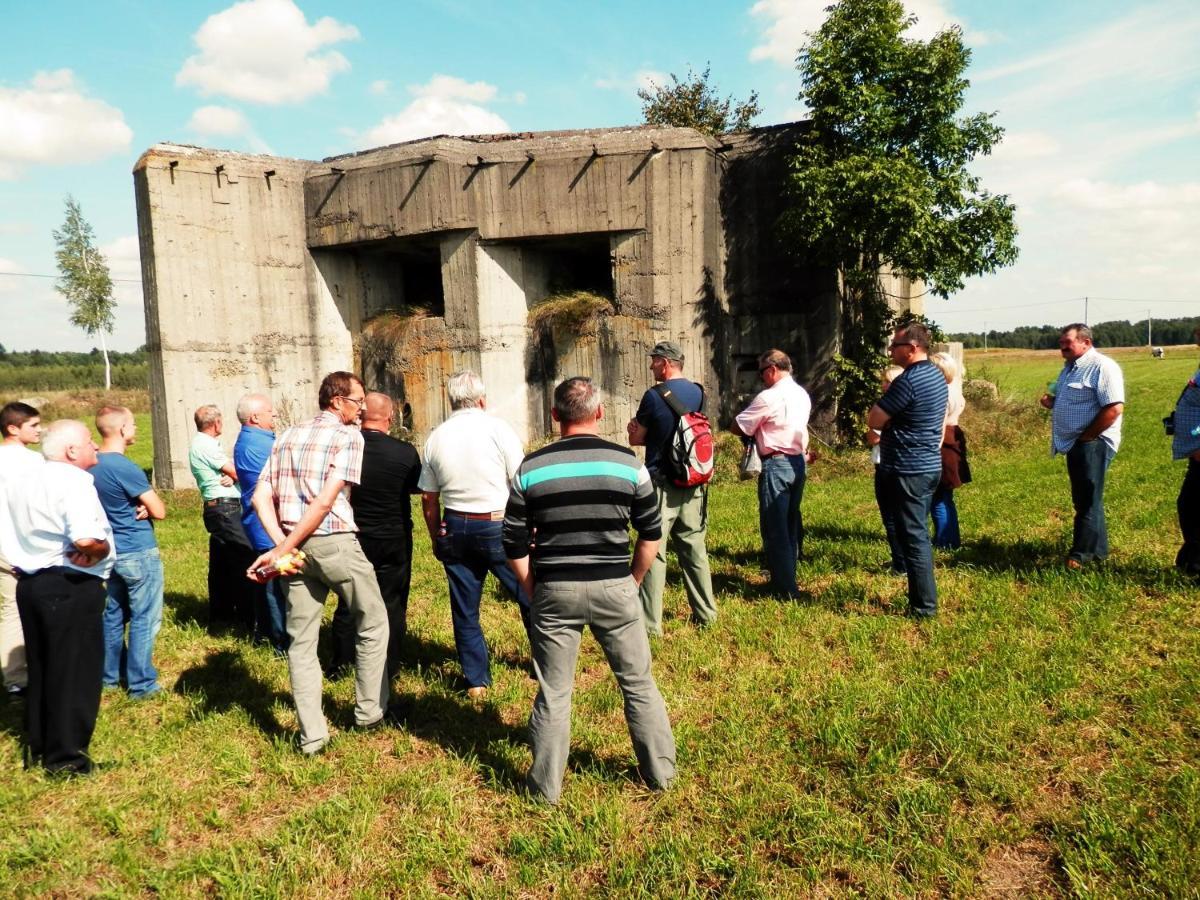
(303, 502)
(684, 510)
(230, 596)
(21, 426)
(874, 435)
(955, 469)
(569, 511)
(251, 450)
(135, 588)
(468, 462)
(909, 417)
(383, 512)
(1186, 445)
(54, 531)
(777, 420)
(1087, 404)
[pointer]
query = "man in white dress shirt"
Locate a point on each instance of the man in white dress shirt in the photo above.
(20, 425)
(54, 533)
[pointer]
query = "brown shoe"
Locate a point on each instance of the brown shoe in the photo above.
(1074, 564)
(477, 693)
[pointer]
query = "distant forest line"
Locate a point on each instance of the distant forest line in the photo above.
(62, 370)
(1163, 332)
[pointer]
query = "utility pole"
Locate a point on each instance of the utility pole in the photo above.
(1085, 310)
(985, 337)
(1149, 342)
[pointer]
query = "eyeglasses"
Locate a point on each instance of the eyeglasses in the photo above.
(358, 403)
(901, 344)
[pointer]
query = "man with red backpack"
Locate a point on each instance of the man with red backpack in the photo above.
(671, 425)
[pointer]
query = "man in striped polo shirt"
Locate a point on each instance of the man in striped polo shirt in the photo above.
(909, 417)
(570, 505)
(1088, 400)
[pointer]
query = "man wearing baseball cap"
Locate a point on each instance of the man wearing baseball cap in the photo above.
(684, 510)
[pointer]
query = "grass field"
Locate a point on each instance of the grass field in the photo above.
(1041, 737)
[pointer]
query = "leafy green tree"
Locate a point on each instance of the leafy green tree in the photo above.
(881, 179)
(694, 103)
(84, 279)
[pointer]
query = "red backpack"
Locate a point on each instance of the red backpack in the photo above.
(688, 456)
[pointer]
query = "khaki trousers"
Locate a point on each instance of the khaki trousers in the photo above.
(684, 514)
(12, 640)
(335, 563)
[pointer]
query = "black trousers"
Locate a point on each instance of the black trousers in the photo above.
(231, 595)
(62, 613)
(1188, 507)
(391, 557)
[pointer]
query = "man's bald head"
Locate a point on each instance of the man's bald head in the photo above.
(378, 411)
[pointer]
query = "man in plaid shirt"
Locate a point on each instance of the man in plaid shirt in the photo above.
(303, 501)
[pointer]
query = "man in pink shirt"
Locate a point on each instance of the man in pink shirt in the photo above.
(777, 420)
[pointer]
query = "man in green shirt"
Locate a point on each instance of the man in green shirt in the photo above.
(230, 593)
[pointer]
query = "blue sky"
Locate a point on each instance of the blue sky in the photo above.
(1100, 99)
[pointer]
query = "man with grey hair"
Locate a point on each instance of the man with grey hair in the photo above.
(1087, 401)
(55, 534)
(580, 495)
(469, 460)
(251, 450)
(684, 510)
(230, 595)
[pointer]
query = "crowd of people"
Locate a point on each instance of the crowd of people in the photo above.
(82, 578)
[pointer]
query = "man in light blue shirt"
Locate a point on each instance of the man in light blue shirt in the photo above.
(1087, 403)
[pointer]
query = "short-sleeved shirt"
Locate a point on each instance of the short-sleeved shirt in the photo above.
(251, 451)
(119, 482)
(469, 460)
(1187, 420)
(911, 444)
(206, 459)
(390, 472)
(777, 418)
(306, 455)
(656, 417)
(1085, 386)
(46, 512)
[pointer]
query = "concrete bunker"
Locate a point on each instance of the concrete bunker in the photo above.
(527, 257)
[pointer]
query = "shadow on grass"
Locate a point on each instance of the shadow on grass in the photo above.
(12, 717)
(188, 609)
(223, 682)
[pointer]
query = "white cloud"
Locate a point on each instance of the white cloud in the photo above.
(445, 105)
(1087, 194)
(11, 285)
(787, 22)
(125, 266)
(52, 121)
(218, 121)
(379, 87)
(264, 51)
(1020, 146)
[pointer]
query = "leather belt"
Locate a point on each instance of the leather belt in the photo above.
(497, 516)
(219, 500)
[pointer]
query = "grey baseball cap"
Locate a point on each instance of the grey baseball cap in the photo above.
(668, 350)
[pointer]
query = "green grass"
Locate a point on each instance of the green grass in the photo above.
(1041, 737)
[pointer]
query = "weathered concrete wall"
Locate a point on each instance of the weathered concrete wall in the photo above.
(233, 301)
(407, 262)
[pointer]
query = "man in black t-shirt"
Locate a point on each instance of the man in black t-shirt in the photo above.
(684, 510)
(383, 513)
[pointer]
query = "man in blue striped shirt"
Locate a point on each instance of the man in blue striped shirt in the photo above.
(1088, 400)
(570, 507)
(909, 417)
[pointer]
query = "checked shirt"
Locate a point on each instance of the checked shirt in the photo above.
(303, 457)
(1085, 386)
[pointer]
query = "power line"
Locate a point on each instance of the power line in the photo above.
(1139, 300)
(35, 275)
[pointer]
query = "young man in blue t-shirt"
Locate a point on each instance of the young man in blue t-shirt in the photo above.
(135, 587)
(910, 418)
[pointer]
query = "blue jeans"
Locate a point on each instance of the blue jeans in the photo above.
(1086, 467)
(908, 498)
(889, 521)
(270, 615)
(135, 596)
(945, 519)
(469, 550)
(780, 490)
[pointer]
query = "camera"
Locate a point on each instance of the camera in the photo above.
(1169, 424)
